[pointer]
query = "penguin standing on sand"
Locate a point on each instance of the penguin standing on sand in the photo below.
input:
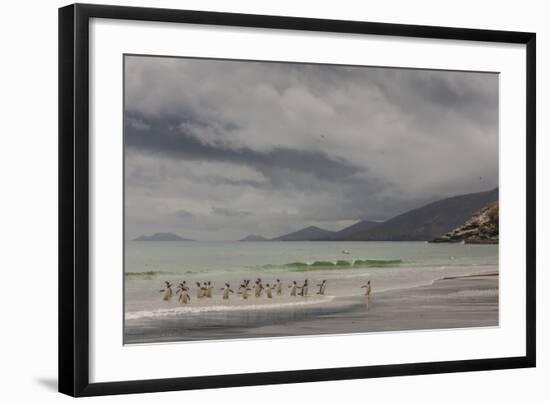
(304, 288)
(258, 287)
(368, 290)
(167, 291)
(268, 289)
(293, 288)
(183, 290)
(209, 288)
(226, 291)
(322, 287)
(279, 287)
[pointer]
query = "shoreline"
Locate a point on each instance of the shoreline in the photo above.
(488, 274)
(449, 302)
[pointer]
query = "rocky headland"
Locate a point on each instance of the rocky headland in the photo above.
(481, 228)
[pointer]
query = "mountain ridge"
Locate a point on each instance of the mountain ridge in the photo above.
(311, 233)
(360, 226)
(425, 223)
(429, 221)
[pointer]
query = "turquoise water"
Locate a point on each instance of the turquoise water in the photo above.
(345, 265)
(205, 257)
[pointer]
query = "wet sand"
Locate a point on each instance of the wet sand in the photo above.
(453, 302)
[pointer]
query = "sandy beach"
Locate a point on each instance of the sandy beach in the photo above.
(452, 302)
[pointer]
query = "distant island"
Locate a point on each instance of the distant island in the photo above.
(436, 220)
(161, 237)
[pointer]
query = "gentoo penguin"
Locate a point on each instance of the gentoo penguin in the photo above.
(293, 288)
(258, 287)
(268, 289)
(184, 294)
(167, 291)
(204, 289)
(200, 293)
(322, 287)
(209, 288)
(244, 290)
(368, 290)
(225, 291)
(304, 289)
(279, 287)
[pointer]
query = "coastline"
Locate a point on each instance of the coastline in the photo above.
(449, 302)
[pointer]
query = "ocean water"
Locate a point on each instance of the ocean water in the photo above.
(345, 265)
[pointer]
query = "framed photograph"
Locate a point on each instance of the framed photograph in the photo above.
(251, 199)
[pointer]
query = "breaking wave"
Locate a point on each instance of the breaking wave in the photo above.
(342, 264)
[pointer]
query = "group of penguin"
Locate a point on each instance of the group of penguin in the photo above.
(205, 290)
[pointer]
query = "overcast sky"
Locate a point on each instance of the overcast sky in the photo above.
(217, 150)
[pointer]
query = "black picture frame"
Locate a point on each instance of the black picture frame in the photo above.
(74, 198)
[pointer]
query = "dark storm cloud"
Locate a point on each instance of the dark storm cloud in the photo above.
(164, 136)
(436, 90)
(219, 149)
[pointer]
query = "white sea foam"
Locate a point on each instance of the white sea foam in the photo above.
(188, 309)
